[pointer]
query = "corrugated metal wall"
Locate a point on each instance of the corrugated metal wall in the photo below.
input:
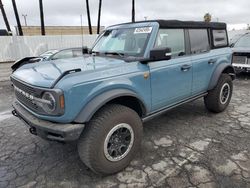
(13, 48)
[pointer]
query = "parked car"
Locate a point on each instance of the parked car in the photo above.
(134, 72)
(235, 38)
(241, 53)
(49, 55)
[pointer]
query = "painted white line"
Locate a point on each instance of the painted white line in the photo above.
(5, 115)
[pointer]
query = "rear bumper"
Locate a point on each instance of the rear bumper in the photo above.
(46, 129)
(241, 67)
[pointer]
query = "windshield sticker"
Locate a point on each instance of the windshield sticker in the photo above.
(143, 30)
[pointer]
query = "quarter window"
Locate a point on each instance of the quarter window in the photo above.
(199, 41)
(220, 38)
(171, 38)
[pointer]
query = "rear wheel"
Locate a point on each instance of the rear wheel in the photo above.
(111, 139)
(219, 98)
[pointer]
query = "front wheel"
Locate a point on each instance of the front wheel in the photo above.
(219, 98)
(111, 139)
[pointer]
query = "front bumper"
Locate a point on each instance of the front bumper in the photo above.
(46, 129)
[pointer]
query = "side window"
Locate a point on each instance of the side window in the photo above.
(63, 55)
(220, 38)
(171, 38)
(199, 40)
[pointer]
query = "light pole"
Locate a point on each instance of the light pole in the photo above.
(20, 31)
(4, 16)
(81, 29)
(25, 18)
(99, 17)
(133, 10)
(42, 17)
(88, 15)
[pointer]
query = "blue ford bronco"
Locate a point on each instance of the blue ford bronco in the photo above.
(133, 73)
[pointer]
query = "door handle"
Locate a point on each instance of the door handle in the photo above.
(211, 61)
(185, 68)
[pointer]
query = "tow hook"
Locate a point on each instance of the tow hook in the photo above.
(33, 130)
(14, 113)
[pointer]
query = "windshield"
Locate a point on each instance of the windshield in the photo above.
(243, 41)
(123, 42)
(48, 53)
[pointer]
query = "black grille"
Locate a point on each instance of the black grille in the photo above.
(24, 87)
(26, 100)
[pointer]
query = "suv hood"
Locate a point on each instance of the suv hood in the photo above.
(44, 74)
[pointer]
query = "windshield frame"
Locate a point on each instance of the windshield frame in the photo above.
(148, 43)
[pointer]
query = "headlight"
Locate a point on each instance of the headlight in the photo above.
(49, 104)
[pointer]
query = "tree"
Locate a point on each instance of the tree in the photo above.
(42, 17)
(20, 31)
(99, 16)
(5, 17)
(133, 10)
(88, 15)
(207, 17)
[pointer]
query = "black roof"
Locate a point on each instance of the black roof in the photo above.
(186, 24)
(190, 24)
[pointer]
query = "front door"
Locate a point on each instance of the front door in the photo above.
(171, 80)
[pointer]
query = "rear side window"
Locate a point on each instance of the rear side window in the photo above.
(199, 41)
(171, 38)
(220, 38)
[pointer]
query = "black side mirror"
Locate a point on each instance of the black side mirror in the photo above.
(85, 50)
(158, 54)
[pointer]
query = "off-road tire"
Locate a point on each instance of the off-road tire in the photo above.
(91, 142)
(213, 101)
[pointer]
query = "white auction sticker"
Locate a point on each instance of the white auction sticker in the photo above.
(143, 30)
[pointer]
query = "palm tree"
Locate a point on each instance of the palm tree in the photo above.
(207, 17)
(5, 17)
(89, 19)
(17, 18)
(42, 17)
(133, 10)
(99, 16)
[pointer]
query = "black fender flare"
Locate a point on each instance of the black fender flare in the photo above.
(218, 71)
(100, 100)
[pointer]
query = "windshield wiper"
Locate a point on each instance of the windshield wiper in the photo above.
(115, 53)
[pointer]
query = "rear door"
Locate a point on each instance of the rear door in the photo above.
(171, 80)
(202, 59)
